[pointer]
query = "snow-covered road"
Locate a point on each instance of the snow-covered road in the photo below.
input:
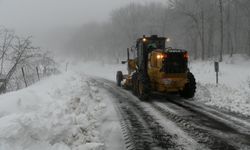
(174, 123)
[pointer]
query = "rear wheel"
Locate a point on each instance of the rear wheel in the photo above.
(190, 87)
(119, 78)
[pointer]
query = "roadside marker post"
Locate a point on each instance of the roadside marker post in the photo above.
(216, 67)
(37, 72)
(24, 77)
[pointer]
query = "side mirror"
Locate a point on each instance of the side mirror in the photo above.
(124, 62)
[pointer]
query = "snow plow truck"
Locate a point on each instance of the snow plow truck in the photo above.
(157, 69)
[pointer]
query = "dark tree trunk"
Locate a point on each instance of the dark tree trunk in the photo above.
(221, 30)
(202, 35)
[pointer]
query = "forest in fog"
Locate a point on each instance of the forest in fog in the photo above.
(208, 29)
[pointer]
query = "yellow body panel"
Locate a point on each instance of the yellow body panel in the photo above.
(161, 81)
(131, 65)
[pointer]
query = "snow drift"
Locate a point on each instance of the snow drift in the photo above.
(59, 113)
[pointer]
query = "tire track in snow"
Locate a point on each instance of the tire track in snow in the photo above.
(199, 134)
(141, 130)
(135, 118)
(223, 131)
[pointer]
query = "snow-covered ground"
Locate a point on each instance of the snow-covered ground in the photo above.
(233, 91)
(69, 111)
(58, 113)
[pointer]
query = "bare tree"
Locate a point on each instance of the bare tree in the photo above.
(6, 41)
(22, 50)
(196, 12)
(221, 31)
(205, 27)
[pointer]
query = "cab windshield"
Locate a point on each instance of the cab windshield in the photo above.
(155, 44)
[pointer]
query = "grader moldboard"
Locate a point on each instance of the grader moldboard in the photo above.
(157, 69)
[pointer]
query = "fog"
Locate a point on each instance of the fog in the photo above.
(87, 28)
(55, 19)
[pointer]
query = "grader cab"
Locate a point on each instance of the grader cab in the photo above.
(156, 68)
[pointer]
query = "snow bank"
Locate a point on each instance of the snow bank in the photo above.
(59, 113)
(233, 91)
(224, 97)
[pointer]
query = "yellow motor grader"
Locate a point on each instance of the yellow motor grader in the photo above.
(157, 69)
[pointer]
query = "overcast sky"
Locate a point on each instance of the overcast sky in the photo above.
(33, 17)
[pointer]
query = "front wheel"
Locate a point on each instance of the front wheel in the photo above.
(135, 84)
(143, 91)
(190, 87)
(119, 78)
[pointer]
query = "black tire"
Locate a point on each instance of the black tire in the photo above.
(143, 88)
(134, 84)
(119, 78)
(190, 88)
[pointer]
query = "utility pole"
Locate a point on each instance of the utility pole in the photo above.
(221, 28)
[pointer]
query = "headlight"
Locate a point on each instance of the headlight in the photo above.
(160, 56)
